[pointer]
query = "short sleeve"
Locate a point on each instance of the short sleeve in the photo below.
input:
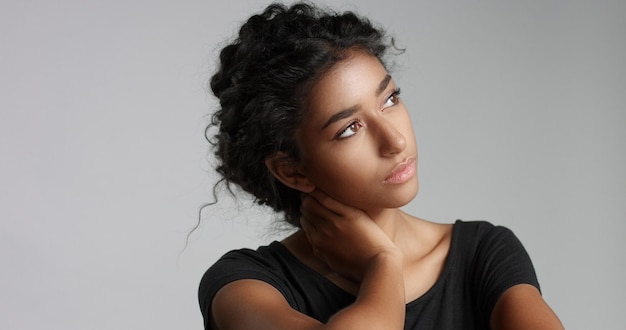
(233, 266)
(500, 263)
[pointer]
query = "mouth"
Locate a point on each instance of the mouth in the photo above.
(402, 173)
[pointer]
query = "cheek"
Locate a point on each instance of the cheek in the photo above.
(407, 128)
(334, 172)
(330, 168)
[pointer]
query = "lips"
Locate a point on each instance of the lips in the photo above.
(402, 173)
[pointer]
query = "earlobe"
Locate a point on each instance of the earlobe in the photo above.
(289, 172)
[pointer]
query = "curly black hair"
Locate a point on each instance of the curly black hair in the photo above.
(262, 83)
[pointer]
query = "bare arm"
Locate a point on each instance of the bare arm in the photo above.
(253, 304)
(352, 245)
(522, 307)
(380, 303)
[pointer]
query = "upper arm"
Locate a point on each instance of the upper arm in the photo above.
(523, 307)
(254, 304)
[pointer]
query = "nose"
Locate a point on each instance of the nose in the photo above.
(391, 141)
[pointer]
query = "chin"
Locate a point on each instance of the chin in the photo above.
(413, 193)
(404, 195)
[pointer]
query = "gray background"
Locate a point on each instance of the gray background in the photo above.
(519, 110)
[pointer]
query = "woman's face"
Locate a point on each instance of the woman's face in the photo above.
(356, 140)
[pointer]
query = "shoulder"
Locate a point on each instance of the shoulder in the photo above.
(497, 259)
(267, 282)
(478, 227)
(243, 263)
(489, 245)
(263, 264)
(481, 235)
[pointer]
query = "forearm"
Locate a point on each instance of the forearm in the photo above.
(381, 302)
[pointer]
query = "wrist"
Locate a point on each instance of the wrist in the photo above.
(389, 257)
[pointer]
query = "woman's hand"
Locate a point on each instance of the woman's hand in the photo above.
(352, 245)
(345, 238)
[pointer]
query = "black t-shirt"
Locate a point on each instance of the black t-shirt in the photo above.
(483, 262)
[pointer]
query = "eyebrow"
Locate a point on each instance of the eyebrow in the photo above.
(341, 115)
(383, 84)
(351, 110)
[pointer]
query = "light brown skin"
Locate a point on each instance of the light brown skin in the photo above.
(353, 231)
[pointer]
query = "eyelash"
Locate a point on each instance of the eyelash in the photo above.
(394, 97)
(352, 123)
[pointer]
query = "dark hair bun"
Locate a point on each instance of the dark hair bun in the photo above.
(262, 82)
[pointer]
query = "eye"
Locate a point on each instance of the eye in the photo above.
(393, 99)
(350, 130)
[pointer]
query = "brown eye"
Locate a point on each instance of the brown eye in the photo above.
(393, 99)
(350, 130)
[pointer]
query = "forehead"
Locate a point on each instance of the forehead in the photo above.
(347, 84)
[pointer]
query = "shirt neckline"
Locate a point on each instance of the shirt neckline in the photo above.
(434, 288)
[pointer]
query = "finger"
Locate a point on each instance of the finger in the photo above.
(328, 202)
(309, 231)
(307, 226)
(334, 205)
(313, 209)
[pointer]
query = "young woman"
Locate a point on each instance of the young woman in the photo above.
(312, 125)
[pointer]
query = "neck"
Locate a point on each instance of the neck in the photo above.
(413, 236)
(393, 222)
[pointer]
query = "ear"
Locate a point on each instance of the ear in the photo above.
(289, 172)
